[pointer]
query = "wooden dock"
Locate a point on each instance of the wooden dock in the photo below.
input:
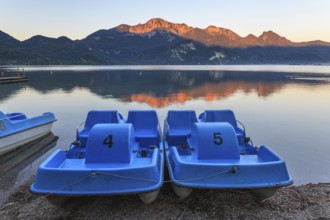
(19, 78)
(13, 79)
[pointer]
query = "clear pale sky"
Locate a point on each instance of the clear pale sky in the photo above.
(298, 20)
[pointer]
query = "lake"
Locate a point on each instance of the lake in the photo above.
(284, 107)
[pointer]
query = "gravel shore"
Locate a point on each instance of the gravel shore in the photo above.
(311, 201)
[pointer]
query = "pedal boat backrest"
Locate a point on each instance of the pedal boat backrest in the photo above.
(145, 122)
(219, 116)
(214, 141)
(223, 116)
(178, 125)
(97, 117)
(110, 143)
(146, 126)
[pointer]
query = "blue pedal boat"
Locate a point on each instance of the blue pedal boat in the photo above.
(213, 152)
(16, 129)
(112, 155)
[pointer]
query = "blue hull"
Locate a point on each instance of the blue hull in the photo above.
(246, 173)
(111, 157)
(72, 177)
(212, 154)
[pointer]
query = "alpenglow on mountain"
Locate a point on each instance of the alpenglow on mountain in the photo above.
(162, 42)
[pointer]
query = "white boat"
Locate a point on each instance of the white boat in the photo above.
(16, 129)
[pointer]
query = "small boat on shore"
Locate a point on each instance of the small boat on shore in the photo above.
(213, 152)
(111, 155)
(16, 129)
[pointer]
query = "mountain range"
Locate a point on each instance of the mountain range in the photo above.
(161, 42)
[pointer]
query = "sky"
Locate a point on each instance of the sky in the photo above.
(297, 20)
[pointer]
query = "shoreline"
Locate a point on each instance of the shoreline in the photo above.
(310, 201)
(322, 69)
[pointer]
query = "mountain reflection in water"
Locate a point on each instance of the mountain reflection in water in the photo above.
(163, 88)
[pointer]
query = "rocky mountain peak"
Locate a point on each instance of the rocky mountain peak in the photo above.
(160, 24)
(272, 38)
(213, 29)
(251, 36)
(157, 22)
(123, 28)
(266, 35)
(222, 31)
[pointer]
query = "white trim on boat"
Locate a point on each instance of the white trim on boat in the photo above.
(12, 142)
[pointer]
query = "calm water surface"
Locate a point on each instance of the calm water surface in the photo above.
(284, 107)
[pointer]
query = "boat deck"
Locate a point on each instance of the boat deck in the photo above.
(244, 159)
(79, 164)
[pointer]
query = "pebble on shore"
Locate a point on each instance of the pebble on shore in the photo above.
(311, 201)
